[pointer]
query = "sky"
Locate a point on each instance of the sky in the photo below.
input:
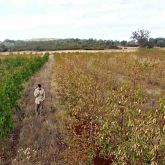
(98, 19)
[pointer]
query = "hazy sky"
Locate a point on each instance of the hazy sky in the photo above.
(100, 19)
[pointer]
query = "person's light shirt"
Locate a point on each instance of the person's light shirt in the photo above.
(39, 95)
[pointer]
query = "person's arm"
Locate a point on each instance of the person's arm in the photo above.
(36, 94)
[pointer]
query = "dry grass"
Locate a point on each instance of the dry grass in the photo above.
(111, 107)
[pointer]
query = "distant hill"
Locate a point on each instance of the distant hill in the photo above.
(42, 39)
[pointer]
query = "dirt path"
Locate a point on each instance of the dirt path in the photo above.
(35, 140)
(128, 49)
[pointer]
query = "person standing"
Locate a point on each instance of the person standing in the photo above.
(39, 94)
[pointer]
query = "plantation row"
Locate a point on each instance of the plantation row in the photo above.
(112, 107)
(14, 71)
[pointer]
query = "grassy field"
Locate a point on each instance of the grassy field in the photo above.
(111, 107)
(101, 108)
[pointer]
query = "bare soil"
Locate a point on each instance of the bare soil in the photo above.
(127, 49)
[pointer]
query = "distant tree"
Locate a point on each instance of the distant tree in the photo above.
(151, 43)
(142, 37)
(161, 43)
(3, 48)
(123, 43)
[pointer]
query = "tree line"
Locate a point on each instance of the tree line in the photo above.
(58, 44)
(139, 38)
